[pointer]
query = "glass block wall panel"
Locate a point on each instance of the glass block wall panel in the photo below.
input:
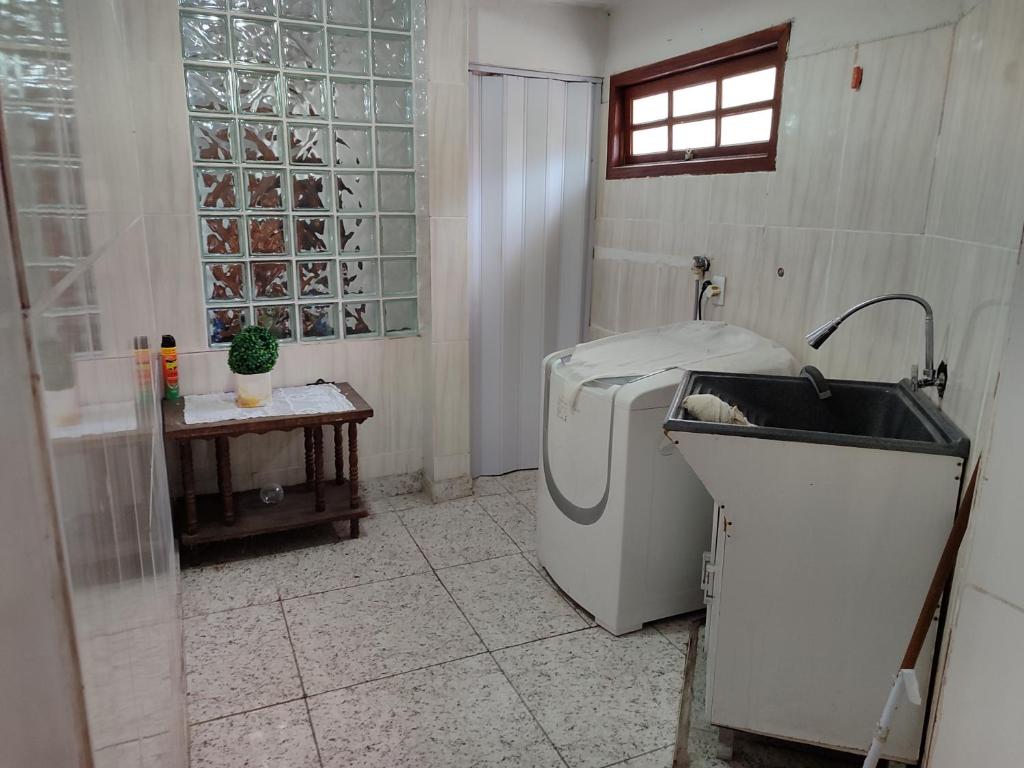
(225, 282)
(400, 317)
(392, 56)
(256, 7)
(350, 100)
(221, 236)
(350, 52)
(271, 280)
(254, 42)
(214, 141)
(362, 318)
(313, 235)
(305, 164)
(397, 192)
(359, 278)
(268, 236)
(316, 279)
(354, 192)
(261, 142)
(399, 277)
(204, 37)
(391, 14)
(216, 188)
(350, 13)
(224, 323)
(319, 321)
(307, 144)
(278, 319)
(307, 97)
(304, 10)
(208, 90)
(258, 92)
(302, 47)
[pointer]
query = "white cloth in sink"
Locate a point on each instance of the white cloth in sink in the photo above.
(712, 408)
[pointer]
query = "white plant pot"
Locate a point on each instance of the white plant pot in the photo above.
(252, 390)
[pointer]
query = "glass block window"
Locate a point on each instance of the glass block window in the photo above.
(304, 165)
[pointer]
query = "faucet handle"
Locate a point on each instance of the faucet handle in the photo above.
(913, 376)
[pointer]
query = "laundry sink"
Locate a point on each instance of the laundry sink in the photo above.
(858, 413)
(829, 517)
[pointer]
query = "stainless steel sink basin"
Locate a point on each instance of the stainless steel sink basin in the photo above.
(859, 413)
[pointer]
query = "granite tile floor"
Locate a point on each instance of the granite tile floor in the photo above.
(435, 639)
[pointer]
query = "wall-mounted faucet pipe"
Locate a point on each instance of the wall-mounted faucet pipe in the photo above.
(701, 265)
(820, 335)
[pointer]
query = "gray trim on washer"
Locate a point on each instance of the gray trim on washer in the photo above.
(576, 513)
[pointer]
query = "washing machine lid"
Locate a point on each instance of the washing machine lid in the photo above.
(651, 362)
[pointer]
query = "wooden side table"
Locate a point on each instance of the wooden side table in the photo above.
(229, 515)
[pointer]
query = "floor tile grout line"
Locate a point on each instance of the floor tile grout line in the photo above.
(526, 706)
(125, 742)
(312, 730)
(634, 757)
(483, 652)
(482, 560)
(445, 588)
(291, 644)
(192, 724)
(302, 682)
(355, 586)
(559, 592)
(498, 522)
(430, 567)
(459, 607)
(489, 516)
(539, 639)
(350, 686)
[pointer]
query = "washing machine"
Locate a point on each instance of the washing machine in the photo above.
(622, 520)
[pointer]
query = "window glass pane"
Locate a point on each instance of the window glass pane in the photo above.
(694, 99)
(699, 133)
(748, 88)
(650, 140)
(650, 108)
(747, 128)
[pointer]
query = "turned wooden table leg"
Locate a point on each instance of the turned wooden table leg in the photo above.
(318, 468)
(227, 498)
(188, 483)
(339, 457)
(307, 434)
(353, 477)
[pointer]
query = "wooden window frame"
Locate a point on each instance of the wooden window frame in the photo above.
(750, 53)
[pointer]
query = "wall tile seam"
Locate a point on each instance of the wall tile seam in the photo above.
(998, 598)
(882, 39)
(847, 46)
(937, 146)
(76, 271)
(958, 241)
(464, 83)
(197, 279)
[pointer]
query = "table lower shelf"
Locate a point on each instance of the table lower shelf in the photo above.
(253, 517)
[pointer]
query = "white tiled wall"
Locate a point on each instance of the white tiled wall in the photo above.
(978, 714)
(909, 184)
(446, 388)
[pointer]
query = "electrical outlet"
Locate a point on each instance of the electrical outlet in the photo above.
(718, 298)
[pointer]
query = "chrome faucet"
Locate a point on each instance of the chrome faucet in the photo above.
(929, 376)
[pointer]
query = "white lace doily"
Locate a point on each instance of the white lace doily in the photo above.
(286, 401)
